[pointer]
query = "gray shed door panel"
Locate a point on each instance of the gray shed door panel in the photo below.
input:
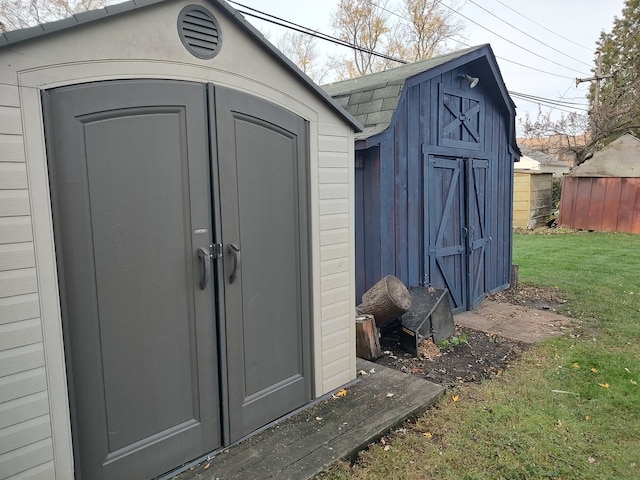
(262, 155)
(130, 183)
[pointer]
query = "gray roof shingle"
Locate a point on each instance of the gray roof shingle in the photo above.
(372, 99)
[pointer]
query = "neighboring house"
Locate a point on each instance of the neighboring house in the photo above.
(541, 162)
(176, 240)
(603, 193)
(434, 174)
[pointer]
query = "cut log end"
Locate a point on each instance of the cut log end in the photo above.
(367, 339)
(386, 300)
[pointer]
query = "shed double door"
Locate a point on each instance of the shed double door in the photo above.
(456, 235)
(173, 352)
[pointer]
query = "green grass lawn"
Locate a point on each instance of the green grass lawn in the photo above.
(568, 409)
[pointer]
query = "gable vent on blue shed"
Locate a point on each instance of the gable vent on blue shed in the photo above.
(199, 31)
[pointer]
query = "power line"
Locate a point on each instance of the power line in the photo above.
(528, 35)
(314, 33)
(509, 41)
(260, 15)
(540, 25)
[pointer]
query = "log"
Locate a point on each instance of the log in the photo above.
(386, 300)
(367, 338)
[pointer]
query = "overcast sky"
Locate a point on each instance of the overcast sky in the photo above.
(537, 26)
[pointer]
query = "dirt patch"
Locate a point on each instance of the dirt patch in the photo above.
(541, 298)
(480, 356)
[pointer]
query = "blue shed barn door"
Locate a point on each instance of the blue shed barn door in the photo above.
(455, 227)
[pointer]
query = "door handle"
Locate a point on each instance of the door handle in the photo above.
(237, 260)
(205, 267)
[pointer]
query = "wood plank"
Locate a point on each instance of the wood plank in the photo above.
(330, 267)
(21, 359)
(9, 96)
(334, 281)
(14, 256)
(334, 295)
(14, 203)
(339, 235)
(11, 148)
(23, 408)
(611, 204)
(22, 384)
(415, 198)
(331, 222)
(10, 121)
(25, 433)
(334, 205)
(27, 457)
(18, 334)
(15, 229)
(334, 175)
(22, 307)
(333, 159)
(13, 176)
(337, 250)
(18, 282)
(329, 191)
(333, 143)
(311, 440)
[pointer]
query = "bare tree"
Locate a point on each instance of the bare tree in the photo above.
(302, 49)
(415, 30)
(427, 26)
(364, 24)
(566, 138)
(15, 14)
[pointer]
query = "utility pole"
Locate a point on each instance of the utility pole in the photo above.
(596, 78)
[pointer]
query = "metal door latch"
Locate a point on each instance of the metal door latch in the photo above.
(216, 250)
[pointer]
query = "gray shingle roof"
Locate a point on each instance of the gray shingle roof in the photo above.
(372, 99)
(13, 37)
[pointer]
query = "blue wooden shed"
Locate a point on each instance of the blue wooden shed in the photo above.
(434, 174)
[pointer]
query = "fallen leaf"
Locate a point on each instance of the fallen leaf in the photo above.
(627, 370)
(427, 435)
(592, 460)
(500, 372)
(386, 448)
(455, 398)
(633, 382)
(318, 418)
(362, 372)
(341, 393)
(587, 417)
(372, 371)
(594, 370)
(418, 370)
(576, 365)
(206, 466)
(389, 395)
(604, 385)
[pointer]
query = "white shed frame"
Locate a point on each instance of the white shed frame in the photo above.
(127, 41)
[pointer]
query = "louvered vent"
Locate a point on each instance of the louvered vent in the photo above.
(199, 31)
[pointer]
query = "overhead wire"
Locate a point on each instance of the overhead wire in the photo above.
(542, 26)
(527, 34)
(508, 40)
(266, 17)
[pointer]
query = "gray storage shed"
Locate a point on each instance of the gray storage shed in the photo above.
(176, 240)
(434, 174)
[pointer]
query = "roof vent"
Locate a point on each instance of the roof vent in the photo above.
(199, 31)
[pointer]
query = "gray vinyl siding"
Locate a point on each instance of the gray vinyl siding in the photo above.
(25, 429)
